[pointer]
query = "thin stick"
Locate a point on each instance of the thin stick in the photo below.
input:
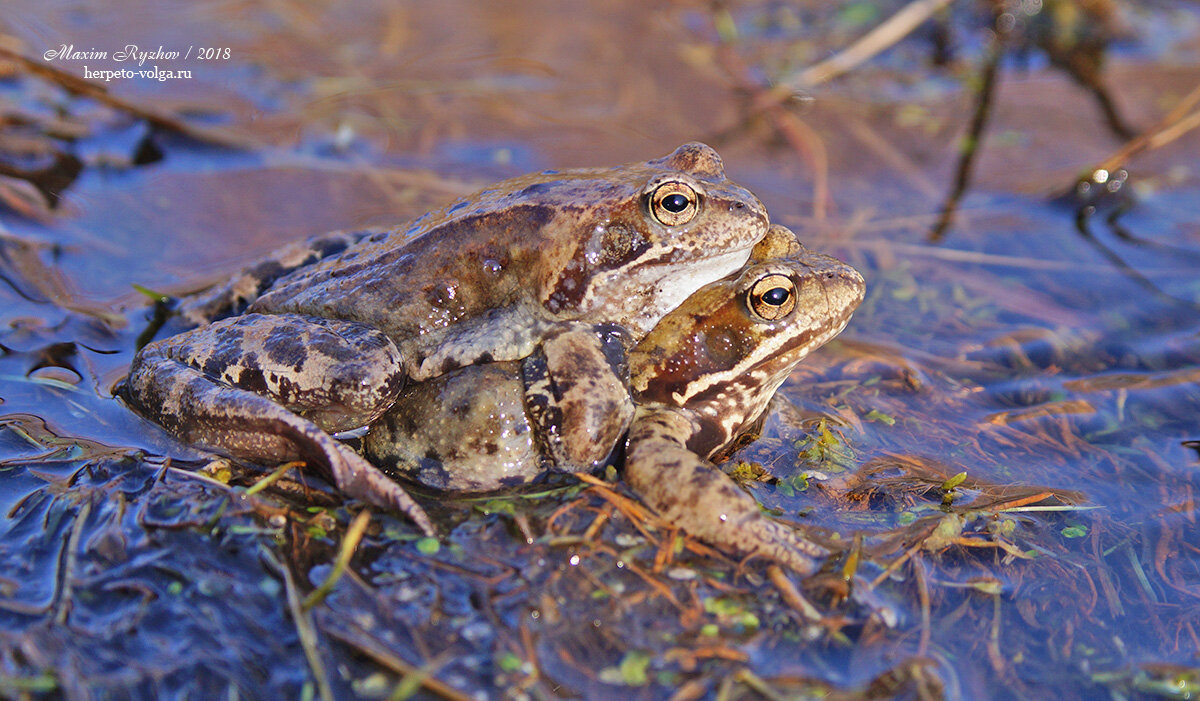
(971, 143)
(70, 560)
(923, 596)
(1176, 123)
(349, 544)
(792, 595)
(304, 627)
(271, 478)
(874, 42)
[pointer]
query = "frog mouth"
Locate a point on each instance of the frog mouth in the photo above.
(672, 289)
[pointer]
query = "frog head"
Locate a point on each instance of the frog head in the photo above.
(725, 350)
(633, 242)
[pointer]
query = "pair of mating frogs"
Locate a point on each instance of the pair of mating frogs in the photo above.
(526, 328)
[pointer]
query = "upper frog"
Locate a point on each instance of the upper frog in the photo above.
(333, 328)
(486, 277)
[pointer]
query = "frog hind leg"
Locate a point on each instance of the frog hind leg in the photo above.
(693, 494)
(197, 387)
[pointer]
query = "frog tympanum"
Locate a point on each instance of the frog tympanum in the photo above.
(322, 337)
(700, 378)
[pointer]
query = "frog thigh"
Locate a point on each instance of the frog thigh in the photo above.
(338, 374)
(577, 396)
(249, 426)
(699, 498)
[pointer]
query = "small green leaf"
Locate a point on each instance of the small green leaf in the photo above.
(510, 662)
(858, 14)
(1076, 531)
(711, 630)
(954, 481)
(876, 415)
(747, 472)
(633, 668)
(156, 296)
(986, 585)
(498, 506)
(428, 546)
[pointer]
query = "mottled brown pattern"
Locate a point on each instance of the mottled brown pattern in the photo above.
(542, 247)
(335, 325)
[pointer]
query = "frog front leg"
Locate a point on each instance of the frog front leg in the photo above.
(693, 494)
(577, 395)
(270, 388)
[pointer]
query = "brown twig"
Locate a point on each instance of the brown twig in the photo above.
(970, 143)
(304, 626)
(923, 596)
(791, 595)
(870, 45)
(373, 649)
(1180, 120)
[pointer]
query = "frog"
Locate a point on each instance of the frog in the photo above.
(321, 338)
(700, 380)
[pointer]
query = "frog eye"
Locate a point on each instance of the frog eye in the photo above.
(674, 203)
(773, 297)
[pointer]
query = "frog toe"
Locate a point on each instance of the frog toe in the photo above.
(355, 477)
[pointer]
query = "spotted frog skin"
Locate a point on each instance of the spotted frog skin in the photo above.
(700, 379)
(322, 337)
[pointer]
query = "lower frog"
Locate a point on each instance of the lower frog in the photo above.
(701, 377)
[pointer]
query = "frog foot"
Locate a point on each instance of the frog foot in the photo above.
(249, 426)
(693, 494)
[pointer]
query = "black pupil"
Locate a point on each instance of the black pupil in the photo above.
(776, 296)
(675, 203)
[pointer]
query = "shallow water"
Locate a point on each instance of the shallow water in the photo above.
(1051, 357)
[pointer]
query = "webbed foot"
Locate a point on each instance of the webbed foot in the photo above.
(693, 494)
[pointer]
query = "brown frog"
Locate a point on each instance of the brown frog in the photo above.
(324, 336)
(700, 378)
